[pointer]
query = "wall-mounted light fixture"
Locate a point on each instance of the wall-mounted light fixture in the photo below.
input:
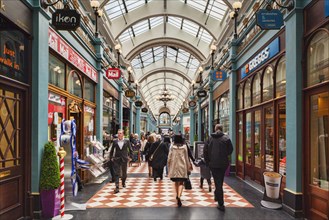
(213, 48)
(234, 15)
(98, 13)
(290, 4)
(118, 49)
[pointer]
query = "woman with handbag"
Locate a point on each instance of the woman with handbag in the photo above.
(179, 165)
(159, 158)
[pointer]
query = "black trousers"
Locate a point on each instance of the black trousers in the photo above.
(120, 168)
(218, 175)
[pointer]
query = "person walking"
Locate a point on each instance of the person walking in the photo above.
(216, 155)
(159, 158)
(150, 141)
(121, 148)
(143, 144)
(179, 165)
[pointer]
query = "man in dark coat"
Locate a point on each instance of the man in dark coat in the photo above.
(119, 157)
(216, 153)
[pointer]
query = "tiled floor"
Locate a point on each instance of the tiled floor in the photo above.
(144, 192)
(145, 200)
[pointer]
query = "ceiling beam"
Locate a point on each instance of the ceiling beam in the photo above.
(125, 6)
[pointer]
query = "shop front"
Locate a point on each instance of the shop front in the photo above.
(261, 113)
(110, 110)
(15, 113)
(221, 106)
(71, 96)
(316, 117)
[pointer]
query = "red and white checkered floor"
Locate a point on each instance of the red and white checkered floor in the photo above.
(144, 192)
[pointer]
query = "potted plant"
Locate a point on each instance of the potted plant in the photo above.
(50, 182)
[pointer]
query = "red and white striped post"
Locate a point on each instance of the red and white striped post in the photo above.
(61, 154)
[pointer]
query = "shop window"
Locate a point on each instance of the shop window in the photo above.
(256, 89)
(319, 140)
(88, 125)
(282, 138)
(89, 91)
(56, 72)
(269, 135)
(240, 139)
(56, 113)
(318, 59)
(74, 84)
(280, 79)
(268, 84)
(240, 98)
(216, 110)
(224, 112)
(247, 95)
(257, 140)
(248, 138)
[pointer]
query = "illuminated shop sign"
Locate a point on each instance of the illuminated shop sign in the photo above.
(65, 19)
(13, 53)
(268, 52)
(62, 48)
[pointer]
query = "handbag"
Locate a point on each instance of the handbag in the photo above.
(151, 157)
(187, 184)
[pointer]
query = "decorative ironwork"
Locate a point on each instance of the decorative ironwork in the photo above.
(165, 95)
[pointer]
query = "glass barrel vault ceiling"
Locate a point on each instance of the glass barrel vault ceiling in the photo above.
(177, 57)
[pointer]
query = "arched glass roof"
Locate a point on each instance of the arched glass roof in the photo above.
(180, 33)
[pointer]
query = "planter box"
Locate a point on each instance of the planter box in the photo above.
(51, 202)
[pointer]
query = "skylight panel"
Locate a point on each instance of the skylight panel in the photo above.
(175, 21)
(155, 21)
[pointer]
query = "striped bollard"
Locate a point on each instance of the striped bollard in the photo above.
(61, 153)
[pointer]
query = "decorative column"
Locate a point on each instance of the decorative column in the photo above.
(181, 123)
(292, 196)
(120, 102)
(232, 95)
(39, 94)
(147, 123)
(138, 118)
(131, 116)
(199, 120)
(210, 106)
(99, 90)
(192, 125)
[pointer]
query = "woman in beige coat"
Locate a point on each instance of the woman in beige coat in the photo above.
(179, 165)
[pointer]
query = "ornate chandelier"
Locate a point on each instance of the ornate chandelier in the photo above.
(164, 95)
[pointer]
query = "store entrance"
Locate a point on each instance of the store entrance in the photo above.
(317, 155)
(14, 147)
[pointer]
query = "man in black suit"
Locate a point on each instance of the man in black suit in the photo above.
(119, 156)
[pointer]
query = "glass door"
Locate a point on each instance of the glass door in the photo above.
(257, 143)
(269, 138)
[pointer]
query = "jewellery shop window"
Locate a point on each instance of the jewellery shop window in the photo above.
(88, 125)
(56, 72)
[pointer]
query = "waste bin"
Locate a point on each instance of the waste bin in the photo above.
(272, 184)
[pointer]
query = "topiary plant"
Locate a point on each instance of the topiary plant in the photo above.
(50, 176)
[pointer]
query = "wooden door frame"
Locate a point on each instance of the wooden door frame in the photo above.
(307, 189)
(25, 134)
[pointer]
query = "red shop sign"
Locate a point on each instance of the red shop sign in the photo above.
(62, 48)
(113, 73)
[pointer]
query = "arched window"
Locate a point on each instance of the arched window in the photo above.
(74, 84)
(164, 118)
(268, 84)
(256, 89)
(247, 95)
(240, 97)
(280, 78)
(318, 59)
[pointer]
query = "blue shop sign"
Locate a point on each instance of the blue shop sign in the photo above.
(218, 75)
(326, 8)
(269, 20)
(267, 53)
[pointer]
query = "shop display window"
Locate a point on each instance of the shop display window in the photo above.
(88, 125)
(247, 95)
(240, 138)
(281, 78)
(240, 98)
(56, 72)
(257, 140)
(74, 84)
(56, 113)
(282, 138)
(319, 140)
(268, 84)
(224, 106)
(216, 109)
(89, 93)
(248, 138)
(318, 59)
(269, 135)
(256, 89)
